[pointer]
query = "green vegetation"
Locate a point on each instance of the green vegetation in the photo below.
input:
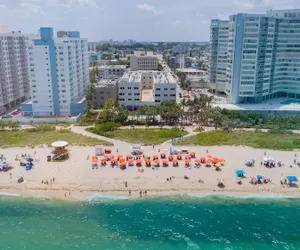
(35, 137)
(113, 111)
(252, 139)
(145, 136)
(160, 67)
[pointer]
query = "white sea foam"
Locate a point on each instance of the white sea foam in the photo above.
(8, 194)
(240, 196)
(99, 197)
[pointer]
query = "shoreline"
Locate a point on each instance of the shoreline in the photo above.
(108, 194)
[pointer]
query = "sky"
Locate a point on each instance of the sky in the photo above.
(141, 20)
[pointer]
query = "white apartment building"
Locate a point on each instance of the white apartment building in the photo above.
(14, 80)
(59, 74)
(112, 71)
(143, 61)
(219, 49)
(146, 88)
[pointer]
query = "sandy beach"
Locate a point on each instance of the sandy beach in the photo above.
(76, 175)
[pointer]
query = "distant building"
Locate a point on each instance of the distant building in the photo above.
(111, 72)
(59, 74)
(92, 46)
(93, 57)
(262, 59)
(14, 79)
(146, 88)
(197, 78)
(179, 49)
(105, 89)
(143, 61)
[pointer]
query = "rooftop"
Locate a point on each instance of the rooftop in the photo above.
(191, 70)
(158, 76)
(271, 105)
(105, 83)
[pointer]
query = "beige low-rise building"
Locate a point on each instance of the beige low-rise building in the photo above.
(143, 61)
(105, 89)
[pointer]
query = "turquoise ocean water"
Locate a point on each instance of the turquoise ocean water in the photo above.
(209, 222)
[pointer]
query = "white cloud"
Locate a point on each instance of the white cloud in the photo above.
(70, 3)
(32, 5)
(148, 8)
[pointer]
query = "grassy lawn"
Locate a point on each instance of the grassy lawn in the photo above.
(145, 136)
(24, 138)
(251, 139)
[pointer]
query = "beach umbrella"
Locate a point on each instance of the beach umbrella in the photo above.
(162, 153)
(103, 160)
(208, 162)
(193, 153)
(259, 177)
(187, 157)
(113, 160)
(175, 161)
(171, 157)
(123, 164)
(187, 161)
(138, 156)
(148, 161)
(209, 156)
(179, 156)
(94, 160)
(156, 162)
(129, 157)
(165, 161)
(120, 156)
(197, 161)
(221, 160)
(130, 161)
(155, 157)
(121, 159)
(138, 162)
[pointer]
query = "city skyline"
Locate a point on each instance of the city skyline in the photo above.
(152, 20)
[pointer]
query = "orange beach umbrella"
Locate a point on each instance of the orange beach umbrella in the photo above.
(165, 161)
(187, 157)
(187, 161)
(156, 162)
(122, 159)
(130, 161)
(175, 161)
(103, 160)
(138, 161)
(155, 157)
(123, 163)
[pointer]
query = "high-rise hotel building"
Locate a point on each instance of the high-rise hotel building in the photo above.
(14, 80)
(258, 56)
(59, 74)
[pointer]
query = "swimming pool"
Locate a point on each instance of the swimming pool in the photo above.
(291, 102)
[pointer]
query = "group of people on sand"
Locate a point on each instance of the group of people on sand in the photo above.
(52, 181)
(142, 193)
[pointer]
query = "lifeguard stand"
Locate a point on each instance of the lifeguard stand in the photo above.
(60, 151)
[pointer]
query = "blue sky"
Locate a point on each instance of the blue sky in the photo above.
(143, 20)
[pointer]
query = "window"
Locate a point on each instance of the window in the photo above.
(34, 86)
(165, 88)
(35, 102)
(129, 87)
(157, 89)
(130, 99)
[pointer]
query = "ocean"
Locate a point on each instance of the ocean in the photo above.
(180, 222)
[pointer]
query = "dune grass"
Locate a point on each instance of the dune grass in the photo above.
(25, 137)
(145, 136)
(284, 142)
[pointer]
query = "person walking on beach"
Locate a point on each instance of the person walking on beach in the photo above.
(126, 184)
(53, 179)
(129, 192)
(65, 195)
(70, 194)
(146, 193)
(141, 194)
(153, 147)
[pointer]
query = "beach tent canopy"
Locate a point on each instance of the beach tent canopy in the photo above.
(136, 147)
(269, 159)
(240, 172)
(259, 177)
(58, 144)
(292, 178)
